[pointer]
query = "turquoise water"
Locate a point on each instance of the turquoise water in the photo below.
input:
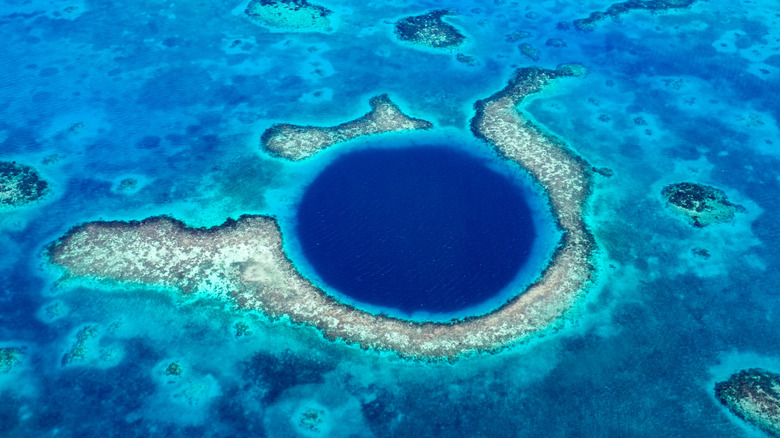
(175, 96)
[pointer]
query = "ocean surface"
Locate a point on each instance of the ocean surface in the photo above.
(137, 109)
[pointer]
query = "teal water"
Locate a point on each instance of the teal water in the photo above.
(175, 97)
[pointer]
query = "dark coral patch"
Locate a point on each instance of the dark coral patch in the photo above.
(701, 204)
(429, 30)
(20, 184)
(754, 396)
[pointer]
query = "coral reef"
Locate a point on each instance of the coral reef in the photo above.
(298, 15)
(20, 184)
(429, 30)
(702, 205)
(80, 348)
(173, 369)
(9, 358)
(618, 9)
(529, 51)
(754, 396)
(517, 36)
(244, 261)
(296, 142)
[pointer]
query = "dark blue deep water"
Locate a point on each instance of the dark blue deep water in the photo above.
(427, 228)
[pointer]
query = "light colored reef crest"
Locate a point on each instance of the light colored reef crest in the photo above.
(296, 142)
(244, 261)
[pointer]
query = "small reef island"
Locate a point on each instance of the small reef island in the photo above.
(754, 396)
(700, 204)
(20, 185)
(290, 15)
(429, 30)
(244, 260)
(296, 142)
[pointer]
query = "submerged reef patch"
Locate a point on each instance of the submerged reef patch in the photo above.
(429, 30)
(296, 142)
(702, 205)
(20, 184)
(79, 350)
(618, 9)
(529, 51)
(244, 260)
(9, 358)
(297, 15)
(754, 396)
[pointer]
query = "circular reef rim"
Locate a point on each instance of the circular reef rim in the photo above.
(244, 261)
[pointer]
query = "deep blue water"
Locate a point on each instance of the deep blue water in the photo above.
(424, 228)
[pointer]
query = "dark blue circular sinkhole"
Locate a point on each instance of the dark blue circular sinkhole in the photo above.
(418, 229)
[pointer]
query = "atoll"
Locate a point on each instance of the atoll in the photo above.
(9, 358)
(298, 15)
(429, 30)
(702, 205)
(754, 396)
(296, 142)
(618, 9)
(244, 260)
(20, 184)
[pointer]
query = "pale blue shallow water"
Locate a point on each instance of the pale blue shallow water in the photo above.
(166, 98)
